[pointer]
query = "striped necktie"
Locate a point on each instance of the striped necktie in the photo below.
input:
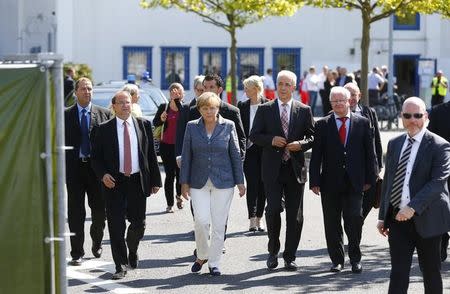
(399, 179)
(285, 125)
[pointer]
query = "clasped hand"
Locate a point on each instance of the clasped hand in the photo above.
(281, 142)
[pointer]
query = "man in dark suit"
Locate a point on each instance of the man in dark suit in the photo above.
(342, 167)
(80, 119)
(284, 128)
(124, 158)
(414, 210)
(440, 125)
(343, 78)
(371, 115)
(211, 83)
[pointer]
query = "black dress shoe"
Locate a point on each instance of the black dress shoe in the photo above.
(214, 271)
(272, 261)
(336, 268)
(197, 266)
(97, 251)
(356, 267)
(119, 275)
(133, 260)
(75, 261)
(290, 266)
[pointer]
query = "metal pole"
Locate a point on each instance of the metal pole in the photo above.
(57, 75)
(390, 89)
(49, 171)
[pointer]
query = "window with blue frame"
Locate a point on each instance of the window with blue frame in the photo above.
(250, 61)
(286, 59)
(212, 60)
(409, 22)
(136, 60)
(174, 66)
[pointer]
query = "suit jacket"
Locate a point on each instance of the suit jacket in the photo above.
(105, 153)
(217, 158)
(440, 120)
(371, 115)
(73, 134)
(427, 185)
(348, 79)
(244, 109)
(226, 110)
(330, 160)
(267, 124)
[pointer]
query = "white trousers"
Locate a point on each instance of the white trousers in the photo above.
(211, 207)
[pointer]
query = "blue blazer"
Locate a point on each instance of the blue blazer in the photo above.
(427, 185)
(217, 158)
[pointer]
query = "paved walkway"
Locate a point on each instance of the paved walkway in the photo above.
(166, 258)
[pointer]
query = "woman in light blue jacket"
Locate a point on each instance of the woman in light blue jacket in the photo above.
(210, 169)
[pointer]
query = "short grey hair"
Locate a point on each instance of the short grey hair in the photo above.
(198, 80)
(256, 82)
(289, 74)
(416, 101)
(132, 89)
(340, 90)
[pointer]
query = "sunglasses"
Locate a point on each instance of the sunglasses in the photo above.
(410, 115)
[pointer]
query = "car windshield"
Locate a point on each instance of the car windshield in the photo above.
(103, 98)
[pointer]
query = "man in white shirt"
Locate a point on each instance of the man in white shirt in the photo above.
(374, 83)
(269, 85)
(312, 85)
(414, 210)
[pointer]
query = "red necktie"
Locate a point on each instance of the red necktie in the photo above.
(342, 130)
(126, 150)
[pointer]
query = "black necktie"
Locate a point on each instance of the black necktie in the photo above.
(85, 146)
(400, 174)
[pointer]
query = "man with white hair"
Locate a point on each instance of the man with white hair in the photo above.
(341, 169)
(414, 210)
(284, 128)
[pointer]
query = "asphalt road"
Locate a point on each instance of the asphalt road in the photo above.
(168, 244)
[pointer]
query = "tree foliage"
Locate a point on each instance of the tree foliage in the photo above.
(230, 15)
(375, 10)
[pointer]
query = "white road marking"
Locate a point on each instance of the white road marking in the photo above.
(74, 272)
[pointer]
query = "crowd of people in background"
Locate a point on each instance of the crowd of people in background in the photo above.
(208, 147)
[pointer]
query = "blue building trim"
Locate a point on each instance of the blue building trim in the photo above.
(223, 54)
(185, 52)
(260, 69)
(296, 51)
(404, 27)
(131, 49)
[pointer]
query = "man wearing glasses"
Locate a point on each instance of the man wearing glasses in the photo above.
(342, 167)
(414, 210)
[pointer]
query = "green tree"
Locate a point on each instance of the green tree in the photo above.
(230, 15)
(372, 11)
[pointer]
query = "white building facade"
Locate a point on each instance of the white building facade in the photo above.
(116, 38)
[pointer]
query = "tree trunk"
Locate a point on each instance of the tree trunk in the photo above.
(365, 45)
(233, 65)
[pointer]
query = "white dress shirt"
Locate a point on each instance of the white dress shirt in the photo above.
(412, 158)
(268, 82)
(133, 145)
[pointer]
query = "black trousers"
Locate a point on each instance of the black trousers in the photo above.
(374, 97)
(437, 99)
(346, 204)
(286, 184)
(85, 183)
(167, 152)
(125, 200)
(403, 239)
(256, 199)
